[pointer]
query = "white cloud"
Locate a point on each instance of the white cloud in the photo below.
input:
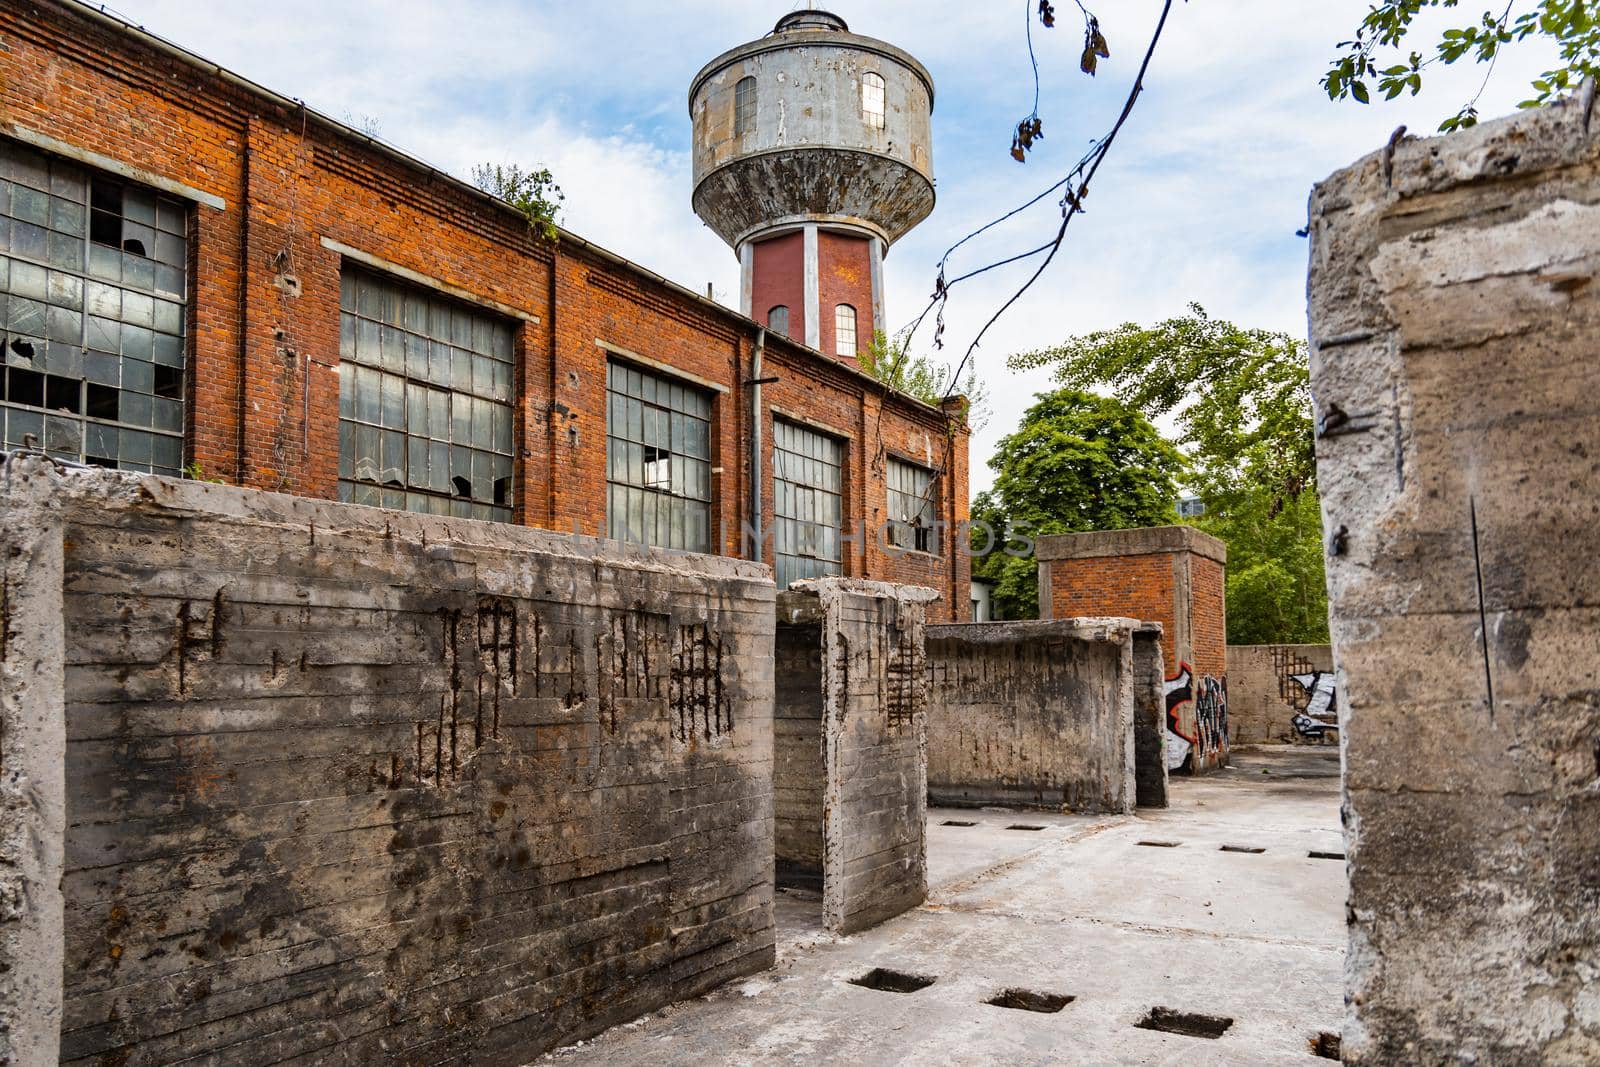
(1199, 201)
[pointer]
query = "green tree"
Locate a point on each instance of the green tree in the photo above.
(1242, 402)
(1076, 462)
(532, 192)
(1573, 25)
(920, 377)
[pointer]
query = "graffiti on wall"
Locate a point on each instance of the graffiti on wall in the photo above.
(1207, 742)
(1313, 721)
(1312, 696)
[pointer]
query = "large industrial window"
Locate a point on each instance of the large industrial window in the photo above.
(911, 506)
(778, 320)
(658, 460)
(844, 330)
(744, 107)
(807, 505)
(93, 283)
(872, 99)
(424, 401)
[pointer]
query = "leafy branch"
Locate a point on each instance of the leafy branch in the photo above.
(1573, 24)
(532, 192)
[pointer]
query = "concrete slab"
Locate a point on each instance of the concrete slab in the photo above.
(1079, 909)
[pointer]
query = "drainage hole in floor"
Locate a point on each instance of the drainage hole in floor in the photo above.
(1160, 844)
(1188, 1023)
(957, 822)
(1028, 1000)
(1023, 826)
(1325, 1045)
(882, 978)
(1248, 849)
(1326, 855)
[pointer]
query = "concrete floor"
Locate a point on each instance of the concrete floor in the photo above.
(1079, 908)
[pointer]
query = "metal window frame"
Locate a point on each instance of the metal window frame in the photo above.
(744, 106)
(911, 483)
(415, 393)
(50, 207)
(672, 515)
(798, 446)
(874, 91)
(839, 330)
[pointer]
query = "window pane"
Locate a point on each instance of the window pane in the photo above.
(94, 340)
(657, 447)
(421, 338)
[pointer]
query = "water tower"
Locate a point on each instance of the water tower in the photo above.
(812, 157)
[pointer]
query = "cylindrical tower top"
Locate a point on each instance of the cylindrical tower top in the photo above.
(812, 124)
(811, 19)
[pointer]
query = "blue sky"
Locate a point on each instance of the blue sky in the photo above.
(1199, 201)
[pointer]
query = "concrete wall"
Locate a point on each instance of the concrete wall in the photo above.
(1032, 714)
(1454, 319)
(1173, 575)
(1282, 694)
(800, 775)
(874, 734)
(1149, 717)
(355, 786)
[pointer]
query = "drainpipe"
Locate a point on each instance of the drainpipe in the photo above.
(754, 518)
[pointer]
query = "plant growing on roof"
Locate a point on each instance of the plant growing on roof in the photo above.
(532, 192)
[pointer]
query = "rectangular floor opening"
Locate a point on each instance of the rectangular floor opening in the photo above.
(1160, 844)
(1029, 1000)
(1188, 1023)
(890, 981)
(1023, 826)
(1326, 855)
(1325, 1045)
(957, 822)
(1247, 849)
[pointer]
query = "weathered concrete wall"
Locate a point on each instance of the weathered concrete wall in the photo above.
(33, 740)
(1454, 326)
(1282, 694)
(364, 787)
(799, 777)
(875, 744)
(1032, 714)
(1173, 575)
(1149, 717)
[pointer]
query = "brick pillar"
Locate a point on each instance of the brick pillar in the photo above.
(1167, 574)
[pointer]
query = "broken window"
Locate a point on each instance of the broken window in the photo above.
(658, 460)
(808, 508)
(911, 506)
(425, 401)
(778, 320)
(93, 293)
(872, 99)
(744, 107)
(844, 330)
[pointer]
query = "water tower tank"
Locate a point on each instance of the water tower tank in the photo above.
(811, 157)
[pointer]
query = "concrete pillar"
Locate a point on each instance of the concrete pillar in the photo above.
(33, 777)
(747, 273)
(812, 283)
(1454, 362)
(880, 323)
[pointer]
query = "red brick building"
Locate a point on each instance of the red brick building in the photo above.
(1174, 575)
(201, 274)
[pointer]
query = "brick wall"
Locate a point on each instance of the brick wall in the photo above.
(1172, 575)
(263, 380)
(1032, 714)
(345, 784)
